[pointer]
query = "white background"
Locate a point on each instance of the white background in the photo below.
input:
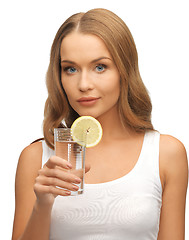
(27, 29)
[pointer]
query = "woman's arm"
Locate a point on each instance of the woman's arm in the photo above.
(174, 176)
(29, 215)
(36, 189)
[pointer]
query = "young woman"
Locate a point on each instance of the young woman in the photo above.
(136, 179)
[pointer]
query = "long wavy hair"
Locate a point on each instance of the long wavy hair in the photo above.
(134, 102)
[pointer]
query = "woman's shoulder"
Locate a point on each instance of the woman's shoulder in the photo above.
(34, 150)
(171, 147)
(31, 157)
(173, 158)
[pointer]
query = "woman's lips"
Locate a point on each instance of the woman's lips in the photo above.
(87, 101)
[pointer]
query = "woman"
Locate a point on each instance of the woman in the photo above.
(136, 179)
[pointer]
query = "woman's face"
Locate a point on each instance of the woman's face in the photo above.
(88, 74)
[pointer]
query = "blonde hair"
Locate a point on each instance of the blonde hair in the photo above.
(134, 102)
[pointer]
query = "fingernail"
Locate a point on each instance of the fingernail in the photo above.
(77, 180)
(69, 165)
(75, 188)
(68, 193)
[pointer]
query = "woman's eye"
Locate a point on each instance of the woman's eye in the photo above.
(70, 70)
(100, 68)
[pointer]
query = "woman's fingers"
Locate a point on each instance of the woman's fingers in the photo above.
(55, 182)
(56, 178)
(61, 174)
(57, 161)
(43, 189)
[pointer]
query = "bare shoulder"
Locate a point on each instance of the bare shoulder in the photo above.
(27, 170)
(174, 178)
(29, 163)
(33, 149)
(171, 145)
(31, 156)
(173, 157)
(171, 149)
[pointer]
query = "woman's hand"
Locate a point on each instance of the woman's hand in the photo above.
(33, 216)
(55, 179)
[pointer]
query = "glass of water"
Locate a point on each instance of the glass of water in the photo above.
(73, 152)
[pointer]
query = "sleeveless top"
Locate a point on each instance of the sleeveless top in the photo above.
(127, 208)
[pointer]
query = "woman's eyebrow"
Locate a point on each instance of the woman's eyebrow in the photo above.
(100, 58)
(95, 60)
(67, 61)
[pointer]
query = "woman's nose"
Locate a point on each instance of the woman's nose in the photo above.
(85, 82)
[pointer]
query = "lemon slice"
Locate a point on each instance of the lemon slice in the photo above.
(86, 131)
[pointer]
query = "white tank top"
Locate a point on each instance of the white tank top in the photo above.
(127, 208)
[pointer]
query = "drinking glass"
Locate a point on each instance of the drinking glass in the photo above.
(73, 152)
